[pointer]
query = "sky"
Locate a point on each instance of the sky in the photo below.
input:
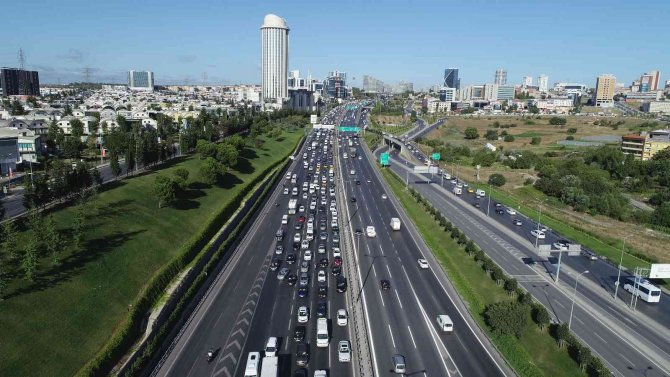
(392, 40)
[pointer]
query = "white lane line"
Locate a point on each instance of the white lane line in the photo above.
(411, 335)
(396, 295)
(557, 302)
(599, 337)
(382, 298)
(389, 270)
(630, 363)
(374, 271)
(390, 332)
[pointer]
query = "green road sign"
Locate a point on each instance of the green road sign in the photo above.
(436, 157)
(384, 159)
(349, 129)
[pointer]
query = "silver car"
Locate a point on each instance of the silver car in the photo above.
(282, 273)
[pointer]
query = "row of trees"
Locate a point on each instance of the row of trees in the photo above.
(59, 181)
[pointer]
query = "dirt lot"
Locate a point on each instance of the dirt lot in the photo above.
(386, 120)
(524, 129)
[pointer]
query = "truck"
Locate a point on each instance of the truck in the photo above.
(292, 204)
(269, 368)
(395, 223)
(322, 332)
(457, 190)
(480, 192)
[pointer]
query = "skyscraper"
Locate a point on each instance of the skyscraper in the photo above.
(604, 96)
(649, 81)
(274, 58)
(18, 82)
(527, 81)
(451, 79)
(543, 83)
(141, 80)
(501, 77)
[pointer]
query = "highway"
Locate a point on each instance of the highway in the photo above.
(632, 345)
(402, 319)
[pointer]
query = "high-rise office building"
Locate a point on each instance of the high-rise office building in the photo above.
(649, 81)
(543, 83)
(501, 77)
(141, 80)
(604, 96)
(274, 58)
(335, 85)
(447, 94)
(527, 81)
(451, 79)
(19, 82)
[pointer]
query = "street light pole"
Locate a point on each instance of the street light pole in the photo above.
(488, 206)
(539, 217)
(574, 293)
(618, 277)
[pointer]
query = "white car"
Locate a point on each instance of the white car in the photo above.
(304, 245)
(423, 264)
(286, 191)
(303, 314)
(301, 208)
(308, 255)
(296, 237)
(384, 196)
(344, 351)
(352, 172)
(559, 246)
(320, 373)
(370, 231)
(342, 317)
(321, 276)
(537, 233)
(511, 211)
(336, 252)
(271, 347)
(284, 220)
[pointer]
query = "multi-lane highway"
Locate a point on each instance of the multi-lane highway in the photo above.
(631, 344)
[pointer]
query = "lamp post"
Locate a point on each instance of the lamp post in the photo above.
(488, 206)
(574, 293)
(616, 283)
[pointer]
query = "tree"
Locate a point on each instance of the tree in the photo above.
(661, 215)
(497, 179)
(114, 164)
(16, 108)
(491, 135)
(471, 133)
(209, 171)
(541, 315)
(29, 260)
(52, 239)
(76, 128)
(10, 239)
(182, 177)
(507, 318)
(165, 190)
(558, 121)
(484, 157)
(536, 140)
(53, 135)
(511, 285)
(562, 334)
(78, 225)
(509, 138)
(227, 154)
(2, 210)
(72, 147)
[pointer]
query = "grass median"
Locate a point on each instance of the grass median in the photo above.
(54, 325)
(535, 353)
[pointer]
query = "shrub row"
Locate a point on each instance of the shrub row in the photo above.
(131, 329)
(577, 351)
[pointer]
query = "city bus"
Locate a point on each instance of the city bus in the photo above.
(644, 289)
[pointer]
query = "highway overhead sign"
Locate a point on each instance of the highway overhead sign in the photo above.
(349, 129)
(425, 169)
(436, 157)
(384, 159)
(659, 271)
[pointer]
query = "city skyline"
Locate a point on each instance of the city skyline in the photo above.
(184, 53)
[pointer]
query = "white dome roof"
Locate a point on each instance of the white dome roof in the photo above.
(272, 20)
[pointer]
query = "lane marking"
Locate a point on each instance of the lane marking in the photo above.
(411, 336)
(391, 332)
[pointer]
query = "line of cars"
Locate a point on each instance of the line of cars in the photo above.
(302, 253)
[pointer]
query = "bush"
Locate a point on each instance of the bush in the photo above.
(484, 157)
(511, 285)
(558, 121)
(509, 138)
(471, 133)
(497, 180)
(536, 140)
(570, 137)
(491, 135)
(540, 315)
(507, 318)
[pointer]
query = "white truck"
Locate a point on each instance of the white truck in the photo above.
(292, 204)
(457, 190)
(480, 192)
(322, 332)
(395, 223)
(269, 368)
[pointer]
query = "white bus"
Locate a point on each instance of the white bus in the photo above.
(643, 289)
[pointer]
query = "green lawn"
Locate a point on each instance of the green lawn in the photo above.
(536, 352)
(54, 325)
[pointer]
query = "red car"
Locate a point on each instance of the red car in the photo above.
(337, 261)
(301, 219)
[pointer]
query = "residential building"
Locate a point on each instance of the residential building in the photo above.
(472, 92)
(655, 142)
(554, 105)
(505, 92)
(567, 88)
(527, 81)
(604, 96)
(500, 77)
(335, 85)
(295, 81)
(451, 79)
(667, 84)
(19, 82)
(447, 94)
(543, 83)
(372, 85)
(403, 87)
(274, 59)
(141, 80)
(9, 151)
(655, 95)
(301, 99)
(435, 106)
(633, 144)
(656, 107)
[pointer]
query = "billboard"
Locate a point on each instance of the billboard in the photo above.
(659, 271)
(312, 119)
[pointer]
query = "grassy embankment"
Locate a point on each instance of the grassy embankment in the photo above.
(54, 325)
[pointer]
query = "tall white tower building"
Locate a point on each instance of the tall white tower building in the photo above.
(543, 83)
(274, 61)
(500, 77)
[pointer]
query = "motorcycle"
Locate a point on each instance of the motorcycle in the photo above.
(210, 355)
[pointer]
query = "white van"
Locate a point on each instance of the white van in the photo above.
(445, 323)
(322, 332)
(253, 362)
(480, 192)
(271, 347)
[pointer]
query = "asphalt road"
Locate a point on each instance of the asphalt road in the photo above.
(630, 345)
(402, 319)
